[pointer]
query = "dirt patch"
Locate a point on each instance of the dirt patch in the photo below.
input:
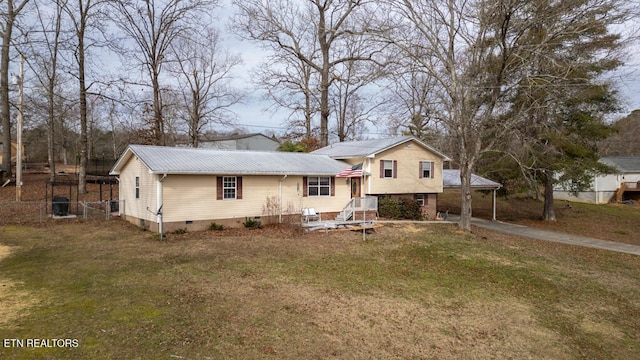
(12, 301)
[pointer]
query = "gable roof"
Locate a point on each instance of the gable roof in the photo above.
(369, 148)
(451, 179)
(625, 164)
(173, 160)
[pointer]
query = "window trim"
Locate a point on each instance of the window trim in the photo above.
(422, 169)
(225, 187)
(319, 186)
(383, 169)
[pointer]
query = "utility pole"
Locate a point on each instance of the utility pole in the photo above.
(20, 81)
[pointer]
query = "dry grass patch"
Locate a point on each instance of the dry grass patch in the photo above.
(407, 292)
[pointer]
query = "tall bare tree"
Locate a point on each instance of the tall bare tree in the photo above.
(290, 84)
(153, 26)
(203, 70)
(470, 49)
(311, 31)
(44, 60)
(9, 18)
(86, 16)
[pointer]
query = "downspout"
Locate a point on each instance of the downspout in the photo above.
(159, 202)
(280, 200)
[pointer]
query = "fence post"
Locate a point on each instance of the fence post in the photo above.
(107, 209)
(84, 209)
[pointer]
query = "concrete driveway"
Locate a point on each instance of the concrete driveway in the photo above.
(553, 236)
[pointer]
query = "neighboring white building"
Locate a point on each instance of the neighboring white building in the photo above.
(622, 185)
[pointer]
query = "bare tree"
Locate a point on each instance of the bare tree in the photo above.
(86, 18)
(311, 31)
(470, 50)
(154, 26)
(44, 59)
(203, 70)
(290, 84)
(9, 18)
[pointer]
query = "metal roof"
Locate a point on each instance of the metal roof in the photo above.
(173, 160)
(451, 179)
(364, 148)
(625, 164)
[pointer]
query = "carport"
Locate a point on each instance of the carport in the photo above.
(451, 180)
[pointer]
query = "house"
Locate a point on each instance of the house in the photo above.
(623, 184)
(402, 167)
(254, 141)
(170, 188)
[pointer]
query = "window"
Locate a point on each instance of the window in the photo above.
(420, 198)
(229, 187)
(319, 186)
(426, 170)
(388, 168)
(137, 187)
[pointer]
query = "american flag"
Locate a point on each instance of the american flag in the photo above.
(353, 172)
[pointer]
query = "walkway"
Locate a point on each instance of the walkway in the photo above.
(546, 235)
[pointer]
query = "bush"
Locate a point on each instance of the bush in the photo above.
(252, 224)
(216, 227)
(410, 209)
(402, 208)
(180, 231)
(388, 207)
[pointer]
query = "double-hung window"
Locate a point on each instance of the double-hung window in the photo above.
(137, 187)
(388, 168)
(229, 189)
(319, 186)
(426, 169)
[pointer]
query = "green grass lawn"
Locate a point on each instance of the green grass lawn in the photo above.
(408, 292)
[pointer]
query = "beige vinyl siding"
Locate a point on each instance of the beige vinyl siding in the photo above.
(407, 179)
(193, 197)
(148, 190)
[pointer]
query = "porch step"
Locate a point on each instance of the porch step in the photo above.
(343, 217)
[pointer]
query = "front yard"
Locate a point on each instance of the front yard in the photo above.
(409, 291)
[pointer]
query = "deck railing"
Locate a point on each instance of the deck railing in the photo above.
(366, 203)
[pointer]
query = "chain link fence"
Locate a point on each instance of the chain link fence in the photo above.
(34, 212)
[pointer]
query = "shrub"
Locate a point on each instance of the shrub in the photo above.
(402, 208)
(388, 208)
(180, 231)
(216, 227)
(410, 209)
(252, 224)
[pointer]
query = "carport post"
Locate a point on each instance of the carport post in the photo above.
(493, 203)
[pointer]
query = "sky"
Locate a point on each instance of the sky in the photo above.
(252, 117)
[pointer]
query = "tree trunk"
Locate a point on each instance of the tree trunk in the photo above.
(4, 91)
(548, 213)
(465, 197)
(82, 173)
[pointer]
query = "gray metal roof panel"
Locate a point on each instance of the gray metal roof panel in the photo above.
(625, 164)
(364, 148)
(172, 160)
(451, 178)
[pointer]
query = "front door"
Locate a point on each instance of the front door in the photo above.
(355, 187)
